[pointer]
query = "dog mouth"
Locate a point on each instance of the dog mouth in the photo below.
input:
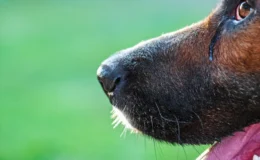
(242, 145)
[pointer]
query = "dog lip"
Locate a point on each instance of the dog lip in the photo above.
(110, 94)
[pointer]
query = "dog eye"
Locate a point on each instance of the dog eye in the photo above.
(243, 10)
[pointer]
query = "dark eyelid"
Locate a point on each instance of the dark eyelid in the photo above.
(251, 3)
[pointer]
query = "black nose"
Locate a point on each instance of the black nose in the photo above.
(109, 78)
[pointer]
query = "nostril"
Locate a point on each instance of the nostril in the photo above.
(108, 78)
(117, 81)
(113, 85)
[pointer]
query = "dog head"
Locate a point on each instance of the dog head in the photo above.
(193, 86)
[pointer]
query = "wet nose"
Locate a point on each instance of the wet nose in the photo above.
(109, 78)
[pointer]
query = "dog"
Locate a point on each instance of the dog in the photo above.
(198, 85)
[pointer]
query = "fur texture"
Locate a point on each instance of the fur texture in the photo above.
(171, 91)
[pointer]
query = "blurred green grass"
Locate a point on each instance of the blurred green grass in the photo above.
(51, 105)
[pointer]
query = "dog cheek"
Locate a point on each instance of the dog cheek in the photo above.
(239, 51)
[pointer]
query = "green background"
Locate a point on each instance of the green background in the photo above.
(51, 105)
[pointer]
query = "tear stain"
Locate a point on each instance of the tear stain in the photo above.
(216, 37)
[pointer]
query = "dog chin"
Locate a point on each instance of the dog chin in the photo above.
(242, 145)
(120, 118)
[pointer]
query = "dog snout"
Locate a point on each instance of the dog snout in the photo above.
(109, 77)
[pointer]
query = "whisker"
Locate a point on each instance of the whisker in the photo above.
(154, 146)
(178, 130)
(176, 121)
(123, 133)
(117, 123)
(151, 118)
(184, 152)
(120, 118)
(196, 149)
(199, 119)
(169, 120)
